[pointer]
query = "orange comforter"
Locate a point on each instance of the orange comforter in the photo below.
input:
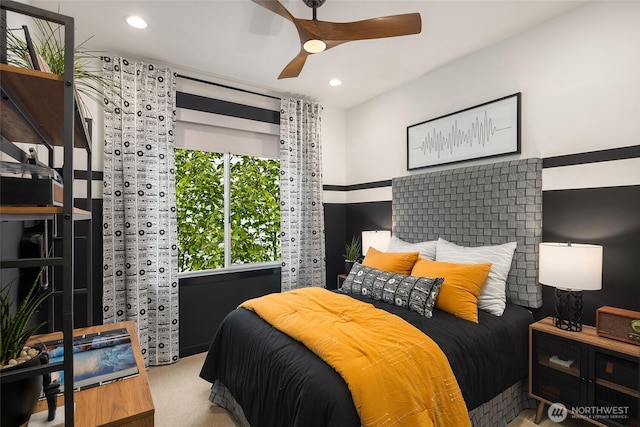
(397, 375)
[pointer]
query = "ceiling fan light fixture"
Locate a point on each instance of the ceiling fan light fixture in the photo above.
(314, 46)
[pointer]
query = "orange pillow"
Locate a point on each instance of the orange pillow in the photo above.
(393, 262)
(461, 288)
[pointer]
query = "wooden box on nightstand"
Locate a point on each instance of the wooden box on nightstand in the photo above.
(596, 376)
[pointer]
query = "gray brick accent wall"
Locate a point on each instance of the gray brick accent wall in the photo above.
(477, 206)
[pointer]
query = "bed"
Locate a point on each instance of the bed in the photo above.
(266, 378)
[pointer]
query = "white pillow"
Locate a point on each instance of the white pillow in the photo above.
(493, 297)
(426, 249)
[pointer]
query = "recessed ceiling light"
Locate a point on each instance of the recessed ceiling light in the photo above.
(335, 82)
(136, 22)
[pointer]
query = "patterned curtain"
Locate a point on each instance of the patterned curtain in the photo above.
(302, 212)
(140, 271)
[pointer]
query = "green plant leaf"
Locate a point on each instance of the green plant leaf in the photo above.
(14, 332)
(48, 42)
(352, 249)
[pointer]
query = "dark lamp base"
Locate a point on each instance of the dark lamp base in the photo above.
(568, 310)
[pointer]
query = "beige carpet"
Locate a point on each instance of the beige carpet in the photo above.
(181, 398)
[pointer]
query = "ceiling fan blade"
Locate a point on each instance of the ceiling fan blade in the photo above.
(374, 28)
(334, 43)
(336, 33)
(294, 67)
(276, 7)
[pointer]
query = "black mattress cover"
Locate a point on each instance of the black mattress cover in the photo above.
(279, 382)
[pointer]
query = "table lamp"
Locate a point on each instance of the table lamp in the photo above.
(570, 268)
(379, 239)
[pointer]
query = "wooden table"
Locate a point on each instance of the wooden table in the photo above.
(127, 402)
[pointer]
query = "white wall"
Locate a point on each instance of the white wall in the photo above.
(334, 153)
(579, 75)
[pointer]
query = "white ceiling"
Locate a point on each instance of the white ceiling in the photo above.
(244, 43)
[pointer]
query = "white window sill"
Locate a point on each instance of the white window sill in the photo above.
(233, 269)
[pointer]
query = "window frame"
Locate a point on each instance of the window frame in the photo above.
(228, 266)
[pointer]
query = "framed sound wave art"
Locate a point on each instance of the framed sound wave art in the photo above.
(486, 130)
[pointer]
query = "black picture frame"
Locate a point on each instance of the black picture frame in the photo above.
(485, 130)
(33, 57)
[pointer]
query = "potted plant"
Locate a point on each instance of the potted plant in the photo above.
(18, 398)
(352, 251)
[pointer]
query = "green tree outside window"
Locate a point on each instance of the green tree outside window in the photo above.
(254, 209)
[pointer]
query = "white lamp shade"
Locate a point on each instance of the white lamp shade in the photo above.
(571, 266)
(379, 239)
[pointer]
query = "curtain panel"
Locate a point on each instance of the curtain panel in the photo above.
(302, 211)
(140, 252)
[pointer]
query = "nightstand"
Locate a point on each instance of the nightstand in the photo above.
(595, 378)
(341, 279)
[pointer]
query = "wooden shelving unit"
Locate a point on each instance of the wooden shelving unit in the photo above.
(40, 108)
(571, 370)
(39, 97)
(17, 213)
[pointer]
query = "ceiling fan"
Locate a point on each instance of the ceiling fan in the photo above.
(318, 36)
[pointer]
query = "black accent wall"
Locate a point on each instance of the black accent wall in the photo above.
(335, 220)
(96, 265)
(604, 216)
(343, 222)
(205, 301)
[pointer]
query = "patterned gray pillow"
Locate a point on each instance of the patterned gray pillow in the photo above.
(415, 293)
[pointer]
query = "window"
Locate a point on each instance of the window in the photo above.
(227, 179)
(228, 209)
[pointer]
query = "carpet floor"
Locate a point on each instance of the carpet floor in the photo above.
(181, 398)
